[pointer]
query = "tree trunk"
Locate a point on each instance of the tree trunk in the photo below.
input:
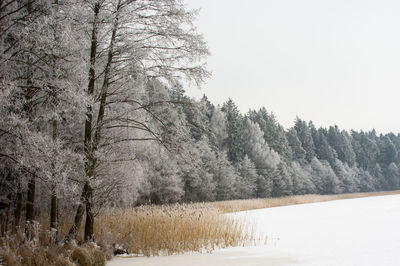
(53, 212)
(28, 108)
(78, 217)
(4, 209)
(53, 200)
(53, 218)
(89, 224)
(30, 207)
(88, 126)
(18, 209)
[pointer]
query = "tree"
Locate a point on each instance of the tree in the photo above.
(197, 163)
(130, 43)
(264, 158)
(225, 177)
(305, 137)
(234, 129)
(323, 150)
(247, 183)
(302, 180)
(165, 184)
(366, 150)
(387, 151)
(341, 142)
(274, 134)
(393, 176)
(282, 181)
(218, 128)
(299, 154)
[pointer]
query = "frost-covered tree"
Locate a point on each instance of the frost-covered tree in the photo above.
(265, 159)
(218, 128)
(324, 178)
(41, 78)
(197, 163)
(387, 150)
(393, 176)
(247, 182)
(366, 150)
(234, 129)
(322, 148)
(225, 177)
(298, 153)
(347, 177)
(130, 43)
(341, 142)
(305, 137)
(163, 178)
(257, 148)
(282, 181)
(302, 179)
(274, 134)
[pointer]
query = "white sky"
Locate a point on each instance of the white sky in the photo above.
(329, 61)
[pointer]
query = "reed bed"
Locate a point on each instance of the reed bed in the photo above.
(252, 204)
(171, 229)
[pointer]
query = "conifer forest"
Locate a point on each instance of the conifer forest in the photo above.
(94, 115)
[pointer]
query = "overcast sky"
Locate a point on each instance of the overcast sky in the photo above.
(329, 61)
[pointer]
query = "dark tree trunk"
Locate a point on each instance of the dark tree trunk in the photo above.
(53, 200)
(28, 108)
(89, 224)
(30, 207)
(30, 203)
(88, 127)
(53, 212)
(18, 209)
(4, 209)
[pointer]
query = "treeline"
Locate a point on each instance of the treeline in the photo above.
(228, 155)
(93, 115)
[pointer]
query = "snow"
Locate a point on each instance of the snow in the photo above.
(362, 231)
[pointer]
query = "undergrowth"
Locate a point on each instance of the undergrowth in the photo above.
(16, 249)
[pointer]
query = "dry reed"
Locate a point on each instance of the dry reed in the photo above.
(171, 229)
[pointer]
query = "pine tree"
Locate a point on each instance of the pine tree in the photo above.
(299, 154)
(274, 134)
(234, 129)
(305, 137)
(341, 142)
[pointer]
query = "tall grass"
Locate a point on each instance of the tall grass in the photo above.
(171, 229)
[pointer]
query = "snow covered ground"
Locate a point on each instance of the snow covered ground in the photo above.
(363, 231)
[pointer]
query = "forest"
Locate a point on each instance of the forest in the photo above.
(94, 115)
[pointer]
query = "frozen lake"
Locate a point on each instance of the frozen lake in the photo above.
(363, 231)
